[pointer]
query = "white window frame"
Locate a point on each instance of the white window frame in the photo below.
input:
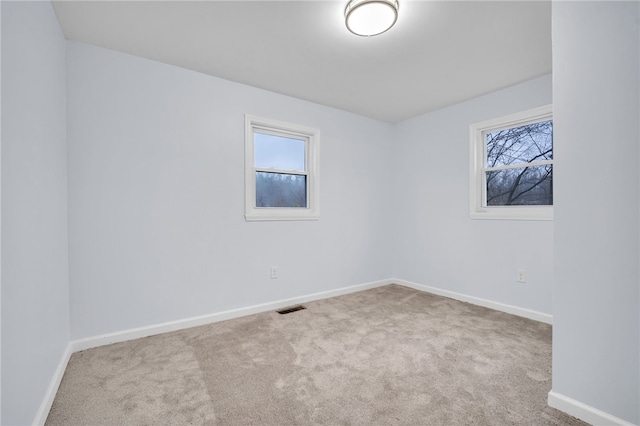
(312, 153)
(477, 159)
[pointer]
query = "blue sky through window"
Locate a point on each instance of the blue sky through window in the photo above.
(278, 152)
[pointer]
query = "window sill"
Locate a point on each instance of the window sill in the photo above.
(282, 215)
(514, 213)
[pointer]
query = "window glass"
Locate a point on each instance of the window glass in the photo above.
(526, 186)
(522, 144)
(280, 190)
(279, 152)
(527, 146)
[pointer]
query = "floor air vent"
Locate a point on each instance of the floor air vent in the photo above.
(291, 309)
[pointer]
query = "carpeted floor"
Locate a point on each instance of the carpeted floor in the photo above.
(387, 356)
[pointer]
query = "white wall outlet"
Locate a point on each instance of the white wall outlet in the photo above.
(274, 272)
(521, 275)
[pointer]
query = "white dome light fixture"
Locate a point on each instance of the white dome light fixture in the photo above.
(370, 17)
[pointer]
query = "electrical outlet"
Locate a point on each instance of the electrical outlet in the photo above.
(521, 275)
(274, 272)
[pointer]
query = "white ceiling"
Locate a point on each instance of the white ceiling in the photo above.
(439, 53)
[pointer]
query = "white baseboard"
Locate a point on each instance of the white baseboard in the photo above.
(514, 310)
(583, 412)
(555, 400)
(136, 333)
(47, 402)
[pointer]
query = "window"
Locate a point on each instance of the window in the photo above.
(281, 170)
(512, 166)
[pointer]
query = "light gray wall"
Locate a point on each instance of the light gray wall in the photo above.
(35, 296)
(437, 243)
(156, 197)
(596, 101)
(0, 216)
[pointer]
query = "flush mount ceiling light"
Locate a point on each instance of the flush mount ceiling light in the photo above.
(370, 17)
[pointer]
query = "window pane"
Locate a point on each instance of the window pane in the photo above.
(280, 190)
(278, 152)
(524, 144)
(526, 186)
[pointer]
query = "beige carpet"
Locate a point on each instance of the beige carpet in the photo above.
(387, 356)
